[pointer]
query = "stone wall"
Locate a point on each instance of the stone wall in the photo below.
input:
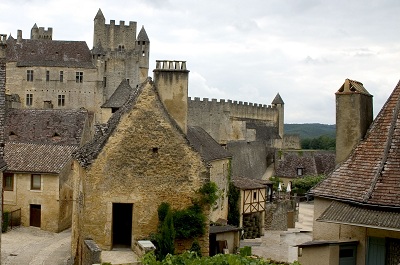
(91, 253)
(276, 214)
(291, 141)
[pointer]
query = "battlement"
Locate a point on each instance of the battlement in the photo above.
(230, 102)
(122, 24)
(41, 33)
(171, 65)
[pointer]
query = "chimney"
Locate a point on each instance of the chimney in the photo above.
(19, 36)
(171, 79)
(354, 115)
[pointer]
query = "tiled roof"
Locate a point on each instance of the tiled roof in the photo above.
(343, 213)
(351, 86)
(49, 53)
(3, 164)
(142, 36)
(38, 158)
(120, 95)
(248, 184)
(203, 143)
(312, 162)
(48, 126)
(371, 174)
(217, 229)
(89, 152)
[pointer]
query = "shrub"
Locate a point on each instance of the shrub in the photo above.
(189, 222)
(304, 184)
(6, 221)
(166, 237)
(209, 193)
(162, 211)
(233, 205)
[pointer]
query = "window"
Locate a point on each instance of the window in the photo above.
(104, 81)
(79, 77)
(127, 80)
(105, 65)
(29, 99)
(8, 181)
(61, 100)
(36, 182)
(300, 171)
(254, 195)
(61, 76)
(47, 76)
(29, 75)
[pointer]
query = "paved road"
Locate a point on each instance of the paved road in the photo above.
(32, 246)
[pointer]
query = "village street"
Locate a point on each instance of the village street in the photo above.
(32, 246)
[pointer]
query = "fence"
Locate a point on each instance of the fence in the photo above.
(15, 218)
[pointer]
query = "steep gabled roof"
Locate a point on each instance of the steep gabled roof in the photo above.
(277, 100)
(142, 36)
(120, 95)
(37, 158)
(45, 126)
(203, 143)
(371, 174)
(249, 184)
(49, 53)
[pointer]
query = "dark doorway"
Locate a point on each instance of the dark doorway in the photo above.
(35, 215)
(122, 224)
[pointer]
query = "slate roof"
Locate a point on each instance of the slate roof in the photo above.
(217, 229)
(120, 95)
(278, 100)
(3, 164)
(37, 158)
(248, 184)
(49, 53)
(343, 213)
(142, 36)
(371, 174)
(48, 126)
(203, 143)
(312, 162)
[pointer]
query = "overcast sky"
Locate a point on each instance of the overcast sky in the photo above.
(248, 50)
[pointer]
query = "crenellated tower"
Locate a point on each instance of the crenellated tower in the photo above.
(119, 54)
(41, 34)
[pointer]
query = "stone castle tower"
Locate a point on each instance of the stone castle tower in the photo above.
(119, 54)
(41, 33)
(354, 115)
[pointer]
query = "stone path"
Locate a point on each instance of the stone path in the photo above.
(32, 246)
(280, 245)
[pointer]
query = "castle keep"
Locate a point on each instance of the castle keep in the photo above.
(46, 73)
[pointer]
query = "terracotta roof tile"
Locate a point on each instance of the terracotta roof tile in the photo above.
(371, 174)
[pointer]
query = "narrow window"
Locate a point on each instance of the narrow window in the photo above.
(47, 76)
(36, 182)
(29, 99)
(29, 75)
(61, 76)
(254, 195)
(8, 181)
(127, 80)
(104, 81)
(105, 66)
(143, 53)
(61, 100)
(79, 77)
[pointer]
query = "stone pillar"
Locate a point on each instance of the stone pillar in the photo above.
(172, 79)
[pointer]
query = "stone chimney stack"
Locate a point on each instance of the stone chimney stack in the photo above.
(3, 46)
(354, 115)
(172, 79)
(19, 36)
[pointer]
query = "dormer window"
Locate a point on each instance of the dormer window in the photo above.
(300, 171)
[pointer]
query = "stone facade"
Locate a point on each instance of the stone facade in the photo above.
(143, 159)
(66, 74)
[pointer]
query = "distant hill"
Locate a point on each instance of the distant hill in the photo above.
(310, 130)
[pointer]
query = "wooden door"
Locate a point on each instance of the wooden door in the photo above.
(35, 215)
(376, 251)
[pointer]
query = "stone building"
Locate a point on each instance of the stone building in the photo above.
(47, 73)
(145, 155)
(250, 132)
(356, 209)
(38, 148)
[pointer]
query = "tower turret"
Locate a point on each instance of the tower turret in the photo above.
(354, 115)
(99, 34)
(143, 49)
(279, 104)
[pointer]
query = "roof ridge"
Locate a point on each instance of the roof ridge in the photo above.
(389, 140)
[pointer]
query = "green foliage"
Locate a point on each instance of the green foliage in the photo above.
(191, 258)
(245, 251)
(189, 222)
(304, 184)
(163, 210)
(275, 182)
(196, 248)
(6, 221)
(323, 142)
(233, 205)
(106, 263)
(209, 192)
(310, 130)
(166, 237)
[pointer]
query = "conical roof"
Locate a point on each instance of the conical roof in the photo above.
(142, 36)
(371, 174)
(278, 100)
(99, 15)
